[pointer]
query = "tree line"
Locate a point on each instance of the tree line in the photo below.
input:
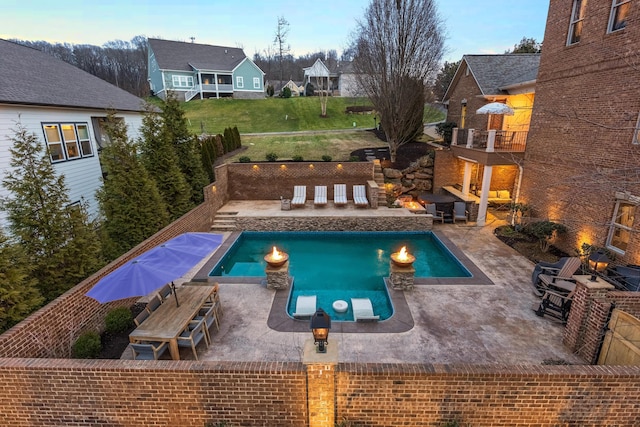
(148, 183)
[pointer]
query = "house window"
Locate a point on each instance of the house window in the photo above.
(577, 18)
(240, 81)
(67, 141)
(619, 13)
(621, 226)
(182, 81)
(256, 83)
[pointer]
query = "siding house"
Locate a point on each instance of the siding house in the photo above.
(582, 161)
(192, 70)
(489, 148)
(340, 76)
(65, 107)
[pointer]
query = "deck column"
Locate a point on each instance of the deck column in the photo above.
(484, 196)
(466, 179)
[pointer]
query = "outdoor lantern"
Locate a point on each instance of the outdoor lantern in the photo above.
(320, 325)
(598, 262)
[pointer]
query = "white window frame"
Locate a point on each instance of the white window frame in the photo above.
(185, 82)
(615, 6)
(615, 226)
(64, 146)
(256, 83)
(576, 20)
(240, 82)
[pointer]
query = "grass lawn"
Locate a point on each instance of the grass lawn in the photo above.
(279, 114)
(338, 145)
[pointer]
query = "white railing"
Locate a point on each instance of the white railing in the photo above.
(188, 96)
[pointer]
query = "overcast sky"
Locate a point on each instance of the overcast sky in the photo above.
(472, 26)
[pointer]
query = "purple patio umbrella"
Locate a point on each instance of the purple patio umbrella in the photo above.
(156, 267)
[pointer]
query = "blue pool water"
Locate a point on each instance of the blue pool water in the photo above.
(340, 265)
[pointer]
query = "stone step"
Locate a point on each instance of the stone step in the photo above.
(226, 213)
(223, 228)
(217, 220)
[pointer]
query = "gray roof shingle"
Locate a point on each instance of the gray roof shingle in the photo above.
(181, 56)
(29, 76)
(494, 72)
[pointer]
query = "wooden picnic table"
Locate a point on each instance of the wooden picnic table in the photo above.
(168, 321)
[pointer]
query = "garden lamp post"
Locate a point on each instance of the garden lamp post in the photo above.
(598, 262)
(320, 325)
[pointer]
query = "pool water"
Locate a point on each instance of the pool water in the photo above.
(340, 265)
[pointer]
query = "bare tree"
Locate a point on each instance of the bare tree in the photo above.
(398, 47)
(323, 93)
(280, 40)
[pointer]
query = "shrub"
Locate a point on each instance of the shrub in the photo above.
(270, 91)
(354, 159)
(118, 320)
(309, 89)
(297, 158)
(244, 159)
(271, 157)
(545, 231)
(286, 92)
(445, 130)
(326, 158)
(87, 346)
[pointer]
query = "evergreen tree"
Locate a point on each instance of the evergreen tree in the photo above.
(130, 202)
(58, 238)
(161, 161)
(18, 293)
(187, 147)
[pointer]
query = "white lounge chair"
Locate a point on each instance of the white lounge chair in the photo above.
(360, 196)
(299, 195)
(320, 195)
(305, 306)
(340, 194)
(363, 310)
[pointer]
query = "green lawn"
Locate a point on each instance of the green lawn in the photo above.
(311, 147)
(279, 114)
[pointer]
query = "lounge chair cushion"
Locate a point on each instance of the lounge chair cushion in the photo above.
(305, 306)
(363, 310)
(504, 194)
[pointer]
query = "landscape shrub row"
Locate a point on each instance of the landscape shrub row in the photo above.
(215, 146)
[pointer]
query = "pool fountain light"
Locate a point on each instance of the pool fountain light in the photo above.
(320, 325)
(276, 258)
(402, 258)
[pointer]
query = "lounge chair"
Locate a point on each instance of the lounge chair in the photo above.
(360, 196)
(320, 195)
(299, 195)
(460, 211)
(548, 276)
(340, 194)
(305, 306)
(363, 310)
(431, 210)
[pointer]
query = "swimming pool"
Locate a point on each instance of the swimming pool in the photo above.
(339, 265)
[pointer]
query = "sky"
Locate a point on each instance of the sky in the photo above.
(471, 26)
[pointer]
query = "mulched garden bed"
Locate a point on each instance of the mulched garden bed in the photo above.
(407, 153)
(113, 345)
(527, 245)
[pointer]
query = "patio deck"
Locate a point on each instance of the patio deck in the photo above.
(452, 323)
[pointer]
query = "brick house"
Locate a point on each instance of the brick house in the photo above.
(488, 149)
(582, 161)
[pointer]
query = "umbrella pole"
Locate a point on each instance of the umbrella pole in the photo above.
(173, 289)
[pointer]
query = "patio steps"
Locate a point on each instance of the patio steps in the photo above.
(224, 221)
(378, 177)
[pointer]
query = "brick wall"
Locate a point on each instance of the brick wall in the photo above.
(51, 331)
(274, 180)
(466, 88)
(188, 393)
(447, 170)
(579, 150)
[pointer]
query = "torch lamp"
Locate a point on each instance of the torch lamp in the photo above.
(598, 262)
(320, 325)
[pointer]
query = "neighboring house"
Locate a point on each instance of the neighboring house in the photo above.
(193, 70)
(582, 162)
(296, 88)
(489, 163)
(338, 78)
(66, 108)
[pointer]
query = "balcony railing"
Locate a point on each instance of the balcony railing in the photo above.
(492, 140)
(220, 88)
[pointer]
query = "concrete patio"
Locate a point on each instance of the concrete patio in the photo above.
(452, 323)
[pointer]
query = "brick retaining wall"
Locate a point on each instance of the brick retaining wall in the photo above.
(188, 393)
